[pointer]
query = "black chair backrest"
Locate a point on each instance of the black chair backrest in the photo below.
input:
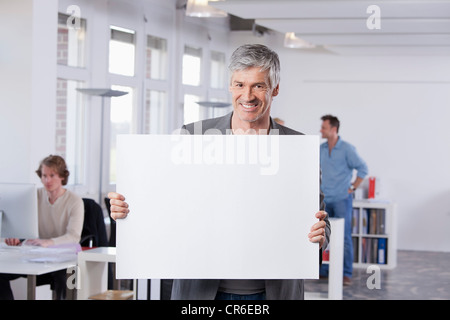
(94, 225)
(112, 237)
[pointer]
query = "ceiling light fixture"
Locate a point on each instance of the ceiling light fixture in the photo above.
(291, 41)
(200, 9)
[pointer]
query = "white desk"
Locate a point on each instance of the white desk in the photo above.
(93, 271)
(15, 260)
(336, 263)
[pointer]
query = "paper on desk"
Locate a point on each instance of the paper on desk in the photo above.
(224, 207)
(52, 259)
(53, 254)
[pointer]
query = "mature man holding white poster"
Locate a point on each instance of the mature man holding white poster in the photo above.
(255, 74)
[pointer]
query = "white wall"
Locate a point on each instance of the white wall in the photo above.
(395, 110)
(27, 86)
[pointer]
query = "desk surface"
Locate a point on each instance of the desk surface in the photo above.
(100, 254)
(23, 260)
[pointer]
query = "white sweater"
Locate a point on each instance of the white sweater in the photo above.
(62, 221)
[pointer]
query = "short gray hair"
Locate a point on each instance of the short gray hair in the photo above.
(256, 55)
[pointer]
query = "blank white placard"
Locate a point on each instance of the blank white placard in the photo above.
(218, 206)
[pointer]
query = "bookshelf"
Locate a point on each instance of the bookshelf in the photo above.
(374, 234)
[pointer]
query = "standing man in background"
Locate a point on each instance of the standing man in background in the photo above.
(338, 159)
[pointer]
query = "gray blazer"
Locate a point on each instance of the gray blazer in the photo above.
(206, 289)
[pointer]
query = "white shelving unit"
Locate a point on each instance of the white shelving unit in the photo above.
(93, 271)
(374, 234)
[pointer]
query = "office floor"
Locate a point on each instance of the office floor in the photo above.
(419, 275)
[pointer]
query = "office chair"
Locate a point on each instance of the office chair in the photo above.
(112, 236)
(94, 229)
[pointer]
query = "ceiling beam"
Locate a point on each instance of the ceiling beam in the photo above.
(325, 9)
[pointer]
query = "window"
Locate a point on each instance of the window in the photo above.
(156, 96)
(192, 60)
(121, 123)
(155, 104)
(156, 56)
(70, 128)
(122, 51)
(218, 70)
(191, 108)
(71, 42)
(70, 120)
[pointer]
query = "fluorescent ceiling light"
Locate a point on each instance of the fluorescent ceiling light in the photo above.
(122, 29)
(291, 41)
(200, 9)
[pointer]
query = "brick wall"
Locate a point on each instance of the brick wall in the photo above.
(61, 116)
(63, 44)
(61, 92)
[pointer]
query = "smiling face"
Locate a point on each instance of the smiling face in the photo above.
(252, 97)
(327, 130)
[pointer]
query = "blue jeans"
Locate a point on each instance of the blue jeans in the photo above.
(342, 209)
(232, 296)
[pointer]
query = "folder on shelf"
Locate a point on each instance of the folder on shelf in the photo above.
(373, 221)
(374, 250)
(381, 251)
(355, 249)
(364, 250)
(365, 221)
(381, 219)
(355, 221)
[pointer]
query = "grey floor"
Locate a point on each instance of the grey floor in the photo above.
(419, 275)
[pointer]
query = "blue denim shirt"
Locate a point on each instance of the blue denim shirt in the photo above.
(337, 169)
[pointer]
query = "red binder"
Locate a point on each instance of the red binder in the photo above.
(371, 194)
